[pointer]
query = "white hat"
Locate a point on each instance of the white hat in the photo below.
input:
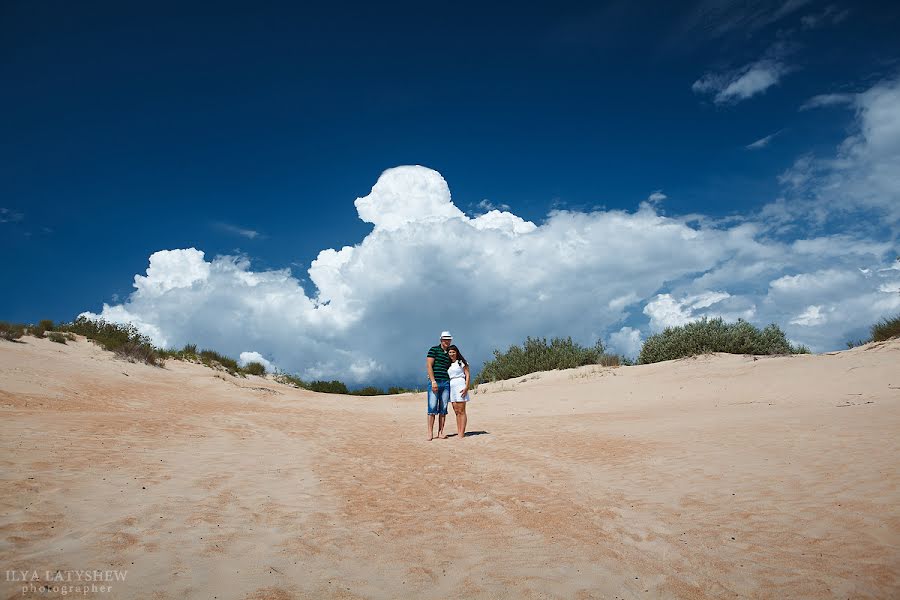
(446, 334)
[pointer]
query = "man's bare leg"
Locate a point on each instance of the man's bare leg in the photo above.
(441, 420)
(430, 427)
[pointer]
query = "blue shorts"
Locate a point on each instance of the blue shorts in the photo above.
(437, 403)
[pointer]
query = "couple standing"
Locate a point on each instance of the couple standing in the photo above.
(448, 372)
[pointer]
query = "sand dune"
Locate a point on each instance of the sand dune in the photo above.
(714, 477)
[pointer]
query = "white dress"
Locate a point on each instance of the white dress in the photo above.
(457, 382)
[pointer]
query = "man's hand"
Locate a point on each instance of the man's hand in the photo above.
(434, 386)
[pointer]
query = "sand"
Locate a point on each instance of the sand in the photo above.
(714, 477)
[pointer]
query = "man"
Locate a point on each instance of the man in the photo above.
(437, 362)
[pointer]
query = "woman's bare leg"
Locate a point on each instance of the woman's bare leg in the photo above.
(460, 409)
(461, 420)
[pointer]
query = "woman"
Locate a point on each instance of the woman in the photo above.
(459, 387)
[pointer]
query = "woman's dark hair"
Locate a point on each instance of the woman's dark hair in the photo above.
(459, 355)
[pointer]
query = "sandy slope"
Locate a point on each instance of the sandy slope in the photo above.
(715, 477)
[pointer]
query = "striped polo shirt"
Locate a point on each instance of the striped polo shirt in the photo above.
(441, 363)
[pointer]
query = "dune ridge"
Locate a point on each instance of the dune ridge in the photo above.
(711, 477)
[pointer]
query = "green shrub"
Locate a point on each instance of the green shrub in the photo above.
(255, 368)
(328, 387)
(715, 335)
(122, 339)
(46, 325)
(886, 329)
(70, 336)
(609, 360)
(401, 390)
(334, 387)
(368, 391)
(188, 353)
(36, 330)
(211, 358)
(288, 379)
(537, 355)
(11, 331)
(57, 337)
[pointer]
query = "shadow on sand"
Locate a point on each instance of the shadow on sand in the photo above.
(468, 433)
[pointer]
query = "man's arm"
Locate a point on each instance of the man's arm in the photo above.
(430, 365)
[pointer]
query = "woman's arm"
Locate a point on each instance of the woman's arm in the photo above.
(466, 389)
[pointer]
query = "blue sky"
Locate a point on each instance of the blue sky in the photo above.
(249, 132)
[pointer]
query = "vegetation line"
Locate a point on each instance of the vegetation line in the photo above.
(534, 355)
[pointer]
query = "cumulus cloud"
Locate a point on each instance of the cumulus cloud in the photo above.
(379, 304)
(406, 195)
(740, 84)
(373, 308)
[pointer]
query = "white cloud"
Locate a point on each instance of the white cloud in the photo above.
(627, 342)
(809, 317)
(172, 269)
(761, 143)
(862, 175)
(492, 280)
(405, 195)
(829, 100)
(656, 197)
(665, 311)
(234, 229)
(487, 205)
(740, 84)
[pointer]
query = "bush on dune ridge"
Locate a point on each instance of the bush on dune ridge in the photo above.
(211, 358)
(335, 387)
(57, 337)
(255, 368)
(328, 387)
(127, 338)
(715, 335)
(11, 331)
(124, 340)
(538, 355)
(886, 329)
